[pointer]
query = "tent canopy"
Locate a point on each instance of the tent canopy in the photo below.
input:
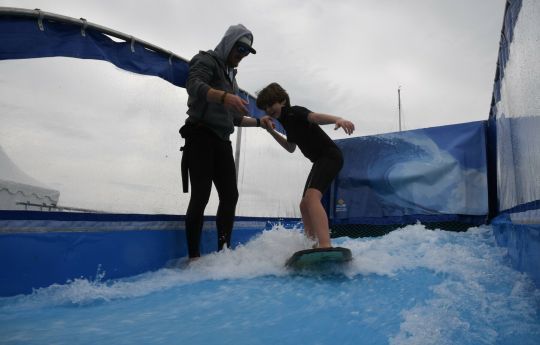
(17, 187)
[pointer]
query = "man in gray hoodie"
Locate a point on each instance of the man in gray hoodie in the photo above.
(214, 108)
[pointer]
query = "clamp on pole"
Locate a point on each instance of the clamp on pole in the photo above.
(84, 26)
(40, 19)
(132, 44)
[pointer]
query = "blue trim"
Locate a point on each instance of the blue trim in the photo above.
(533, 205)
(78, 216)
(123, 217)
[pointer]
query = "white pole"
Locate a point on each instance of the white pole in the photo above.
(399, 106)
(237, 153)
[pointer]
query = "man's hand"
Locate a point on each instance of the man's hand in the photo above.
(235, 103)
(347, 126)
(267, 123)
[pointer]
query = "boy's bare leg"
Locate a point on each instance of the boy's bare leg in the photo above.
(308, 227)
(316, 215)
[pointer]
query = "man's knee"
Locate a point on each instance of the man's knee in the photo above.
(232, 197)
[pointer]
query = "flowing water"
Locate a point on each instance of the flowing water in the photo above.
(412, 286)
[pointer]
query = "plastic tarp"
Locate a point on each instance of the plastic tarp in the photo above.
(515, 112)
(514, 142)
(22, 38)
(431, 174)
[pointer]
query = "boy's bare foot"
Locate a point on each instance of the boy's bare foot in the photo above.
(317, 245)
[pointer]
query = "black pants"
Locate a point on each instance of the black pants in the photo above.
(209, 159)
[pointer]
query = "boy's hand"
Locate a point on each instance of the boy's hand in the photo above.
(347, 126)
(267, 123)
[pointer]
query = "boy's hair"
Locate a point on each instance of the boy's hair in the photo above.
(271, 94)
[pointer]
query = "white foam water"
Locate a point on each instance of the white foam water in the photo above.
(412, 286)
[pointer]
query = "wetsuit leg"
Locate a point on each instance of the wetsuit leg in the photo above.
(324, 170)
(200, 166)
(225, 182)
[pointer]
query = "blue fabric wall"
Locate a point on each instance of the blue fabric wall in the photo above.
(21, 38)
(513, 140)
(38, 249)
(523, 243)
(430, 174)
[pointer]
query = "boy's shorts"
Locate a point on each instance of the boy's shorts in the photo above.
(324, 170)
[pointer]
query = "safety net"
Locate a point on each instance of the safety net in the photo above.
(515, 111)
(514, 143)
(80, 135)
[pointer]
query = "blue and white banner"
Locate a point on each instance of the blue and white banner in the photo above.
(439, 171)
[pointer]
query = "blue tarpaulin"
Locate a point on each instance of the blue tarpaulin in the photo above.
(21, 38)
(27, 37)
(435, 174)
(38, 249)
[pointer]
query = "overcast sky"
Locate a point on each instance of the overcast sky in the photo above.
(346, 58)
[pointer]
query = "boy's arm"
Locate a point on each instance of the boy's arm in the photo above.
(263, 122)
(325, 119)
(282, 140)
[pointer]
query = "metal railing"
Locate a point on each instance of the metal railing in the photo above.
(55, 207)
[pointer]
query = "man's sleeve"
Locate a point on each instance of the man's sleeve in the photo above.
(200, 75)
(237, 118)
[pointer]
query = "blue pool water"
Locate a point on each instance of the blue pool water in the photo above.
(412, 286)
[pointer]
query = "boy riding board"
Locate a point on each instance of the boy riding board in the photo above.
(302, 129)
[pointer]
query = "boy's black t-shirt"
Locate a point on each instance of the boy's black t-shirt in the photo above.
(309, 137)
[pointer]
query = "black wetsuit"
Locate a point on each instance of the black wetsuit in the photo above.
(315, 144)
(208, 159)
(207, 155)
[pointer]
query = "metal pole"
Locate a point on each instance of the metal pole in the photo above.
(399, 106)
(237, 152)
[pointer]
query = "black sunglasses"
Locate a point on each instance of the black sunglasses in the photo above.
(242, 49)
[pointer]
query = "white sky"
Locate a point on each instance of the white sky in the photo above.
(345, 58)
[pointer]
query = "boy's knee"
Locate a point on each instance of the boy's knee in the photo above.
(307, 203)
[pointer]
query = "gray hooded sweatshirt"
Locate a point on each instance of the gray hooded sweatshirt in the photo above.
(209, 70)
